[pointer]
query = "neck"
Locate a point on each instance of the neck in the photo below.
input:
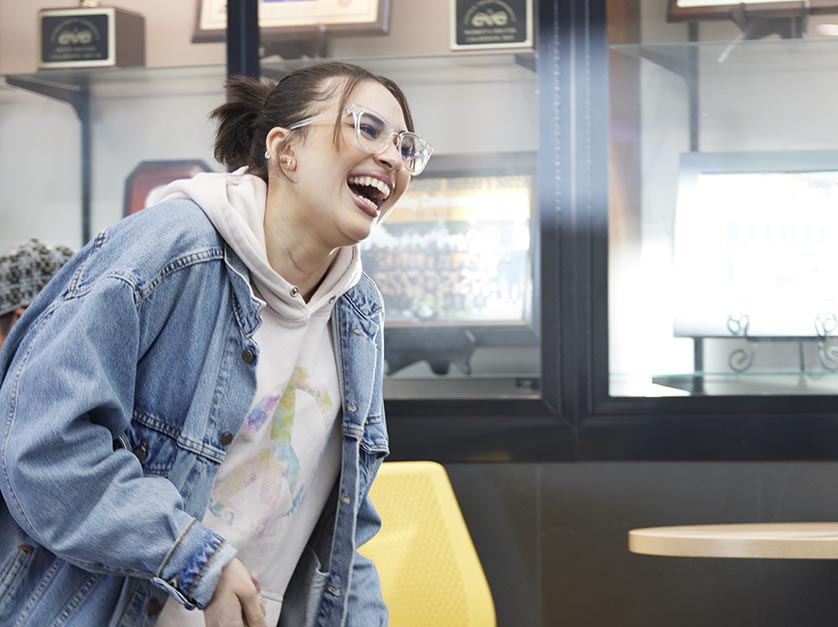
(292, 251)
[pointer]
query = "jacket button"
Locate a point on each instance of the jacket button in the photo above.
(333, 590)
(141, 452)
(226, 438)
(153, 608)
(248, 356)
(351, 407)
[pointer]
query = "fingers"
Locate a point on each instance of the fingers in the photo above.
(253, 610)
(255, 579)
(237, 600)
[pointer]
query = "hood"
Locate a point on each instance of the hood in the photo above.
(235, 204)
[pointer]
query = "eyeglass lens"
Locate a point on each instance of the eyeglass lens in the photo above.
(374, 134)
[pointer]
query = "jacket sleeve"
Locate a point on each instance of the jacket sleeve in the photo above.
(67, 394)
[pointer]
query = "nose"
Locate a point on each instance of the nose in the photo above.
(391, 158)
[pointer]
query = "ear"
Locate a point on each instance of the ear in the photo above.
(17, 313)
(273, 141)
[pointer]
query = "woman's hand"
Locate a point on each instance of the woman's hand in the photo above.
(237, 601)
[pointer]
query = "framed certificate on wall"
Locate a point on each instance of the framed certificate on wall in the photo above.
(688, 10)
(297, 18)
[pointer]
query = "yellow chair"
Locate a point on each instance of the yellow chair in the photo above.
(430, 572)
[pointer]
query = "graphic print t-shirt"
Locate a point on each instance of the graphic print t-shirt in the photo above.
(280, 470)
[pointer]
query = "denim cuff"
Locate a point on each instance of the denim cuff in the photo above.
(193, 568)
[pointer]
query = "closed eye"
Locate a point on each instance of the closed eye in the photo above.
(370, 131)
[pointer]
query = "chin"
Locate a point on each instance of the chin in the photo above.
(355, 233)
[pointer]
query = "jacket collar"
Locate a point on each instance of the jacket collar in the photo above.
(364, 297)
(246, 306)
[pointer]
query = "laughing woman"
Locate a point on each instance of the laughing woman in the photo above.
(191, 411)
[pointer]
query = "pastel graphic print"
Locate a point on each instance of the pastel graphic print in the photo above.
(269, 483)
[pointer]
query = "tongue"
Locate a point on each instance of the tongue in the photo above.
(363, 191)
(371, 206)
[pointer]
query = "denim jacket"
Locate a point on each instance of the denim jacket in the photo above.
(122, 387)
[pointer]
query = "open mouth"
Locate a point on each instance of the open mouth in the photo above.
(371, 191)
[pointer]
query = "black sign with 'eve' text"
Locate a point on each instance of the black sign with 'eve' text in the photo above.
(75, 38)
(491, 23)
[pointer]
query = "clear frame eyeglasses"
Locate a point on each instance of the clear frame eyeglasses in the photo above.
(374, 134)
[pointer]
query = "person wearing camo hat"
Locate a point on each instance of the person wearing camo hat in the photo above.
(24, 271)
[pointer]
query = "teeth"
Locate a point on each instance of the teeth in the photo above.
(369, 181)
(368, 202)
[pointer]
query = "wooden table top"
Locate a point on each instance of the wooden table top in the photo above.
(754, 540)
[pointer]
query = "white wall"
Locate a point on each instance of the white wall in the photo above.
(169, 26)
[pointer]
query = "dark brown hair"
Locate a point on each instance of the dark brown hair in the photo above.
(6, 322)
(254, 107)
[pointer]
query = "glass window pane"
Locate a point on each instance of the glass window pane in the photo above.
(724, 183)
(454, 258)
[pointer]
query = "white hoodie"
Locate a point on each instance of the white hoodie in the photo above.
(280, 469)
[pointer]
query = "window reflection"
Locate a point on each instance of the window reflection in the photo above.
(454, 264)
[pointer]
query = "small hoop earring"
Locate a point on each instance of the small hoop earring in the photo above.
(267, 154)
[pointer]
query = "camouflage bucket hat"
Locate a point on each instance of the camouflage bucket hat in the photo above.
(25, 270)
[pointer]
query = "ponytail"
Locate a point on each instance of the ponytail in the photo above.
(239, 120)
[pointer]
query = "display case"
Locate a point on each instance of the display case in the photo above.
(700, 233)
(726, 230)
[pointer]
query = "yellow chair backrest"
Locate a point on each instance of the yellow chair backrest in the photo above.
(429, 569)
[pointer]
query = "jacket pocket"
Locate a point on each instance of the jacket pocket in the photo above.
(144, 604)
(12, 575)
(155, 449)
(375, 440)
(304, 593)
